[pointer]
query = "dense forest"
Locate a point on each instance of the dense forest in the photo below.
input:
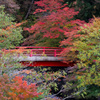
(71, 24)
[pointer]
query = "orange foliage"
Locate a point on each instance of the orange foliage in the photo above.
(16, 25)
(17, 89)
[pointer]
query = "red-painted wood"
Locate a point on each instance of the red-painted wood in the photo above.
(37, 51)
(48, 64)
(32, 47)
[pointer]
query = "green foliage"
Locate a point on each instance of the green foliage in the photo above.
(45, 80)
(12, 88)
(86, 8)
(92, 91)
(48, 42)
(8, 64)
(10, 34)
(44, 41)
(42, 96)
(88, 47)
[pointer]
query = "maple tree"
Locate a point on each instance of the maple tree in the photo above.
(10, 33)
(17, 89)
(55, 20)
(88, 47)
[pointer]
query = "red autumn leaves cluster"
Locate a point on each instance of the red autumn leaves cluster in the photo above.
(56, 20)
(16, 89)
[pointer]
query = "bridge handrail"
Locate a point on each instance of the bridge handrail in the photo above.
(27, 47)
(54, 51)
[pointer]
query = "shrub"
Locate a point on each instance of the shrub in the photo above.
(88, 47)
(10, 33)
(16, 89)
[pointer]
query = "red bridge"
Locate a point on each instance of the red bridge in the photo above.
(39, 56)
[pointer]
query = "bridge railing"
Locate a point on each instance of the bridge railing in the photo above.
(47, 52)
(36, 51)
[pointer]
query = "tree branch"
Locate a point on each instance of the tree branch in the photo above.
(29, 9)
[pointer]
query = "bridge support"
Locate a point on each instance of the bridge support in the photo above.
(47, 63)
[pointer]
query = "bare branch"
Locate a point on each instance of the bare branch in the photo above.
(29, 9)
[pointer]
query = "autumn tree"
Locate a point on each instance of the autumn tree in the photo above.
(88, 47)
(55, 20)
(10, 34)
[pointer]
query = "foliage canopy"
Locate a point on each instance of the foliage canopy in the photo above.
(55, 22)
(10, 34)
(88, 47)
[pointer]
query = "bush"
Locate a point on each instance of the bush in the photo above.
(10, 34)
(16, 89)
(88, 47)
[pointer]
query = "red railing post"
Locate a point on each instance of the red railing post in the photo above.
(31, 53)
(54, 53)
(43, 50)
